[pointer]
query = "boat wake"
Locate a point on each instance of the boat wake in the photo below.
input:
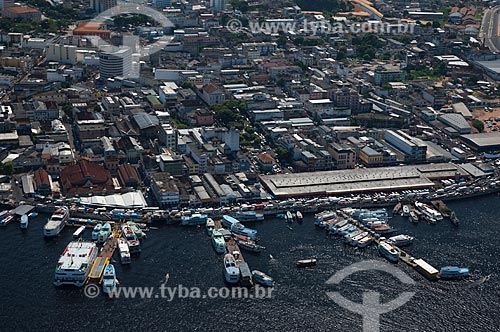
(479, 282)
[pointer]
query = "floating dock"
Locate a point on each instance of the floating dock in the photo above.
(105, 255)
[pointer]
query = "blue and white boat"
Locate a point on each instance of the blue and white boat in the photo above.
(453, 272)
(349, 230)
(388, 251)
(228, 221)
(95, 231)
(231, 271)
(249, 216)
(240, 229)
(109, 278)
(401, 240)
(104, 233)
(337, 226)
(24, 222)
(194, 219)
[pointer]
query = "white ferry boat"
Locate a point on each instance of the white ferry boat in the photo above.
(231, 271)
(124, 251)
(78, 233)
(56, 222)
(75, 263)
(249, 216)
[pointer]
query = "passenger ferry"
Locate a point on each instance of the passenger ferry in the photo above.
(75, 263)
(218, 242)
(95, 231)
(454, 272)
(231, 271)
(210, 226)
(238, 228)
(109, 278)
(249, 216)
(194, 219)
(401, 240)
(78, 232)
(56, 222)
(388, 251)
(104, 233)
(132, 241)
(228, 221)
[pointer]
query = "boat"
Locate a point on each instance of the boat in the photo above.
(95, 231)
(354, 241)
(388, 251)
(231, 271)
(350, 236)
(299, 216)
(364, 242)
(396, 209)
(401, 240)
(78, 232)
(429, 212)
(250, 246)
(347, 231)
(239, 228)
(245, 274)
(124, 251)
(218, 242)
(104, 233)
(413, 217)
(322, 216)
(289, 217)
(406, 211)
(228, 221)
(453, 272)
(108, 279)
(210, 226)
(249, 216)
(306, 262)
(32, 215)
(4, 214)
(137, 230)
(75, 263)
(337, 226)
(24, 222)
(56, 222)
(343, 228)
(454, 219)
(194, 219)
(262, 278)
(132, 241)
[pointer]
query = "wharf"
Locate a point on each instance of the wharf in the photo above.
(104, 257)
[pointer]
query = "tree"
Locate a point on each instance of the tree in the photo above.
(478, 124)
(7, 168)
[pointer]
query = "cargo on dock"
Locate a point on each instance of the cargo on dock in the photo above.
(426, 269)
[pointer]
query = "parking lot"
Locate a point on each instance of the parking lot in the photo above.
(491, 118)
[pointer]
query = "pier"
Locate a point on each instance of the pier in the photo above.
(104, 256)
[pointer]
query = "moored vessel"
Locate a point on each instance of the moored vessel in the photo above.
(56, 222)
(75, 263)
(231, 271)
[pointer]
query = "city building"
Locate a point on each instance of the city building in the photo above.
(86, 177)
(165, 190)
(102, 5)
(115, 63)
(218, 6)
(413, 149)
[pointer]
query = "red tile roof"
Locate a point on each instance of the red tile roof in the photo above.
(127, 174)
(265, 158)
(41, 178)
(84, 175)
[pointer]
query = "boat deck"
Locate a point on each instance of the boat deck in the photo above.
(231, 247)
(218, 224)
(95, 274)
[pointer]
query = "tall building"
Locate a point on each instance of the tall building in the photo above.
(102, 5)
(115, 63)
(218, 6)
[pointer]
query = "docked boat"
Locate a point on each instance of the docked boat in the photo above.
(343, 228)
(388, 251)
(24, 222)
(95, 231)
(108, 279)
(132, 241)
(194, 219)
(413, 217)
(406, 211)
(364, 242)
(137, 230)
(347, 231)
(350, 236)
(104, 233)
(245, 275)
(401, 240)
(306, 262)
(262, 278)
(249, 216)
(354, 241)
(33, 215)
(250, 246)
(56, 222)
(336, 227)
(396, 209)
(454, 219)
(240, 229)
(288, 217)
(4, 214)
(124, 251)
(299, 216)
(429, 212)
(75, 263)
(228, 221)
(218, 242)
(453, 272)
(78, 232)
(210, 226)
(322, 216)
(231, 271)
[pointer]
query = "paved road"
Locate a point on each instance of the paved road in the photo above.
(489, 29)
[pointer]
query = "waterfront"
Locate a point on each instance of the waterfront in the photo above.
(299, 302)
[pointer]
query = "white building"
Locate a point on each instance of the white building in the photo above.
(115, 63)
(218, 6)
